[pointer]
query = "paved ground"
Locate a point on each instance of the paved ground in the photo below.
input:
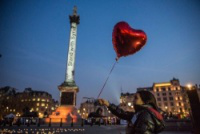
(118, 129)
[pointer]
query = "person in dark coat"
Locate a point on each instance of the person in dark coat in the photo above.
(146, 119)
(97, 114)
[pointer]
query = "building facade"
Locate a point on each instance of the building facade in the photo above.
(39, 102)
(7, 101)
(171, 96)
(126, 101)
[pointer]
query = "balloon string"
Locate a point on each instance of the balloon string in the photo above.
(107, 78)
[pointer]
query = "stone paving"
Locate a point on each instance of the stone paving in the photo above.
(117, 129)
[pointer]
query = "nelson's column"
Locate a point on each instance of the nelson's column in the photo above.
(68, 89)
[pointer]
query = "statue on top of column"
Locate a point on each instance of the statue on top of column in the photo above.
(75, 10)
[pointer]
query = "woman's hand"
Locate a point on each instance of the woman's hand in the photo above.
(104, 102)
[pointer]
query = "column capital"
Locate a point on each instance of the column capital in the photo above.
(74, 17)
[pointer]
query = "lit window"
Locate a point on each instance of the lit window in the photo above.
(37, 109)
(33, 99)
(129, 104)
(38, 104)
(43, 99)
(43, 104)
(38, 99)
(22, 100)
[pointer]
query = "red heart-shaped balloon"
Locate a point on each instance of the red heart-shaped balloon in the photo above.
(126, 40)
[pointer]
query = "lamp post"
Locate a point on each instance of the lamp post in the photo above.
(189, 86)
(194, 107)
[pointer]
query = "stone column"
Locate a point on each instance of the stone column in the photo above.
(69, 88)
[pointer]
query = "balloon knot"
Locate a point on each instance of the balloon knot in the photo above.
(117, 58)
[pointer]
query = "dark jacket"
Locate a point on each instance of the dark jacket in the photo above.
(148, 120)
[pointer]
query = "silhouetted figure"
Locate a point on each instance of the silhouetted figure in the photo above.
(96, 115)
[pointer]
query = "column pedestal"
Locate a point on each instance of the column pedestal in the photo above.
(68, 94)
(67, 110)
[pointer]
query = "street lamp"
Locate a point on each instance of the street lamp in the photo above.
(189, 86)
(194, 107)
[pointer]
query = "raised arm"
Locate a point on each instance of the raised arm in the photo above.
(120, 112)
(117, 111)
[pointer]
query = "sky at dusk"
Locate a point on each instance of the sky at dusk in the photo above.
(34, 36)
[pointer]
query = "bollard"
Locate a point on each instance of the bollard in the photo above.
(10, 124)
(72, 124)
(82, 124)
(61, 122)
(38, 122)
(91, 123)
(4, 123)
(99, 122)
(18, 123)
(49, 122)
(28, 123)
